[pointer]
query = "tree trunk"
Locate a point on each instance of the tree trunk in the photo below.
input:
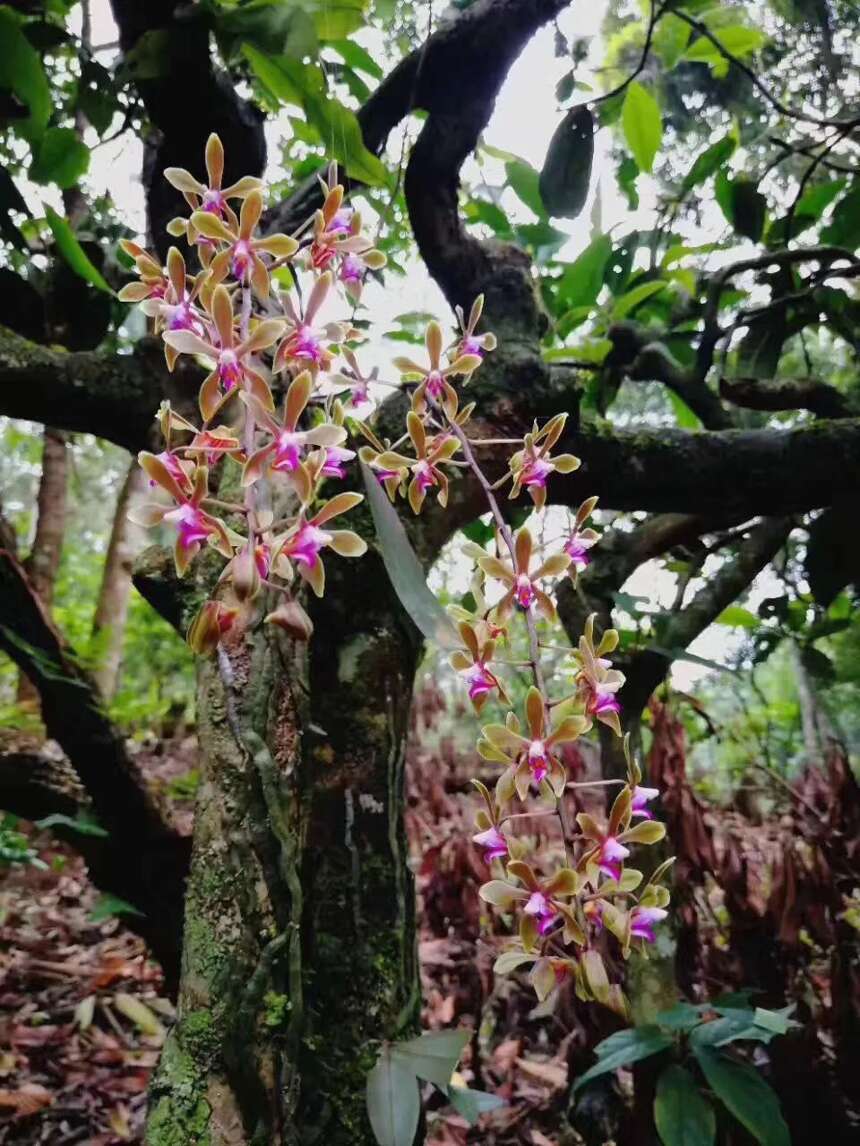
(44, 560)
(115, 590)
(299, 950)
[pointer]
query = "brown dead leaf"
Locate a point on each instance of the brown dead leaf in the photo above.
(26, 1100)
(550, 1074)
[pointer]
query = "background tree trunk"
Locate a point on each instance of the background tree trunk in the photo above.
(115, 590)
(43, 561)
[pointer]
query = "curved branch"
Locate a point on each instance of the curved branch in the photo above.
(788, 394)
(144, 860)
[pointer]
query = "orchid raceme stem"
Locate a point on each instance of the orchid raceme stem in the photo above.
(283, 392)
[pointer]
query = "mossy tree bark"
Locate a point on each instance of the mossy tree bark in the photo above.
(299, 947)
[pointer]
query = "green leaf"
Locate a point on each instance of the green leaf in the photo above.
(683, 1016)
(566, 173)
(81, 824)
(749, 208)
(271, 26)
(671, 37)
(683, 1116)
(393, 1102)
(60, 158)
(746, 1095)
(341, 132)
(107, 906)
(623, 1048)
(335, 19)
(72, 251)
(635, 297)
(21, 71)
(709, 161)
(525, 182)
(684, 416)
(625, 176)
(737, 39)
(433, 1055)
(844, 227)
(642, 124)
(272, 76)
(738, 618)
(473, 1103)
(404, 568)
(356, 56)
(583, 278)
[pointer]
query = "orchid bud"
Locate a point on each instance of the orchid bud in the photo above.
(209, 626)
(245, 574)
(292, 618)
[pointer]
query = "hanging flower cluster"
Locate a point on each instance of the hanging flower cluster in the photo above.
(280, 377)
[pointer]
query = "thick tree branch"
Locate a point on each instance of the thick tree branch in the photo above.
(35, 784)
(114, 396)
(185, 101)
(789, 394)
(147, 859)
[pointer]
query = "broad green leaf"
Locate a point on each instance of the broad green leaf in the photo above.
(642, 124)
(682, 1114)
(510, 960)
(566, 173)
(524, 181)
(709, 161)
(393, 1102)
(21, 71)
(433, 1055)
(60, 158)
(739, 618)
(272, 76)
(473, 1103)
(737, 39)
(623, 1048)
(271, 26)
(635, 297)
(583, 278)
(746, 1095)
(341, 132)
(671, 37)
(844, 227)
(336, 19)
(683, 1016)
(356, 56)
(404, 569)
(72, 251)
(749, 208)
(594, 351)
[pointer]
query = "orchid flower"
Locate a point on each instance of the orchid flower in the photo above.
(532, 465)
(581, 540)
(430, 453)
(232, 369)
(642, 920)
(468, 343)
(241, 258)
(283, 454)
(490, 836)
(597, 682)
(174, 309)
(306, 346)
(472, 663)
(433, 386)
(153, 278)
(608, 851)
(193, 524)
(304, 541)
(210, 197)
(529, 759)
(337, 236)
(351, 379)
(519, 580)
(541, 901)
(213, 620)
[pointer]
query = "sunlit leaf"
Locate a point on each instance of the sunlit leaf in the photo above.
(72, 251)
(642, 124)
(21, 71)
(60, 158)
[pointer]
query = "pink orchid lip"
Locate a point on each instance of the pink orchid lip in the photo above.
(602, 700)
(305, 546)
(241, 263)
(181, 317)
(172, 464)
(479, 679)
(307, 344)
(641, 796)
(190, 524)
(435, 385)
(382, 475)
(524, 592)
(539, 906)
(577, 552)
(535, 472)
(493, 842)
(229, 369)
(610, 857)
(642, 920)
(213, 201)
(471, 344)
(425, 476)
(288, 451)
(538, 759)
(335, 459)
(340, 222)
(263, 559)
(351, 269)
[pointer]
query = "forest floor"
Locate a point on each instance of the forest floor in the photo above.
(83, 1012)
